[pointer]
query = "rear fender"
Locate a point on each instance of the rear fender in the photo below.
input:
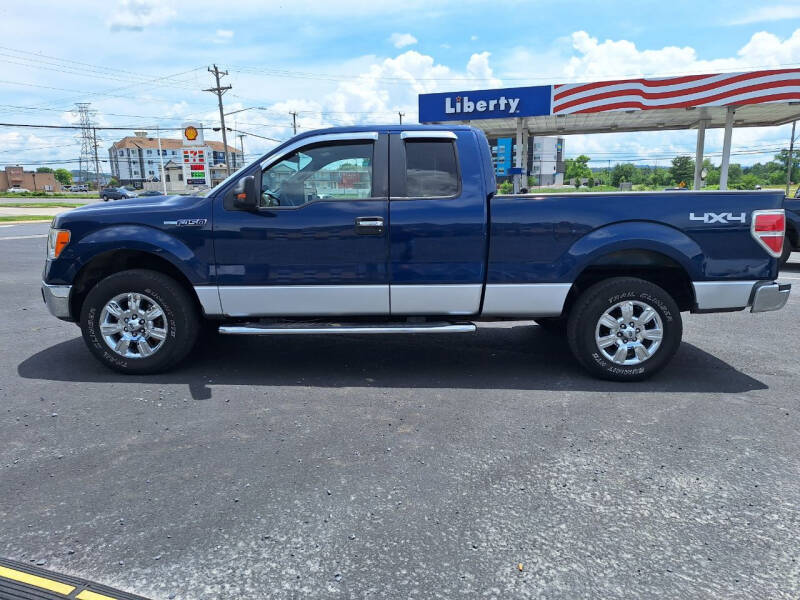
(636, 235)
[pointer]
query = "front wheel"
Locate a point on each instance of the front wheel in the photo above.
(139, 322)
(624, 329)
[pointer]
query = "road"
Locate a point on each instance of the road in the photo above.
(482, 466)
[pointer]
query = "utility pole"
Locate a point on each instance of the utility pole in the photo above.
(791, 161)
(96, 161)
(401, 115)
(241, 145)
(161, 162)
(294, 121)
(219, 91)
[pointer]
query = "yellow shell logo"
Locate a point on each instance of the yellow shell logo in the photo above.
(190, 133)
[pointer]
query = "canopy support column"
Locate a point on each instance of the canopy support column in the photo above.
(698, 154)
(518, 156)
(726, 149)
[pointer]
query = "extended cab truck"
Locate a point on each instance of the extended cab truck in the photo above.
(399, 230)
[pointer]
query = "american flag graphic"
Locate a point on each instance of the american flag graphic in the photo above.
(722, 89)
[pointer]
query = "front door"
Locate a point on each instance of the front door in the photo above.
(317, 245)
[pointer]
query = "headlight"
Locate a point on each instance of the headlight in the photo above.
(56, 242)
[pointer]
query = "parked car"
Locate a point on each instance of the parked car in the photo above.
(17, 190)
(150, 193)
(409, 238)
(792, 243)
(116, 193)
(79, 188)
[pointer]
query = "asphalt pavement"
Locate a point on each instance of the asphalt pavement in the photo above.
(470, 466)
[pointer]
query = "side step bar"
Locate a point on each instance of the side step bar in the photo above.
(318, 328)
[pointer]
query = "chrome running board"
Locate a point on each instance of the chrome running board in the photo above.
(321, 328)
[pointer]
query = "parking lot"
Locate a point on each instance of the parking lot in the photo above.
(484, 465)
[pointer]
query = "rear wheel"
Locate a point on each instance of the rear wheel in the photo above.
(624, 329)
(105, 198)
(139, 322)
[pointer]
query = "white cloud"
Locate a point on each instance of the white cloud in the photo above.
(764, 14)
(621, 58)
(401, 40)
(136, 15)
(473, 38)
(384, 88)
(222, 36)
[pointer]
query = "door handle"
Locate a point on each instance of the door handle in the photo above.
(369, 225)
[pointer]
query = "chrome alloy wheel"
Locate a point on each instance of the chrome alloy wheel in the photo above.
(629, 332)
(133, 325)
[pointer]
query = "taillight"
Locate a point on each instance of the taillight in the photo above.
(768, 229)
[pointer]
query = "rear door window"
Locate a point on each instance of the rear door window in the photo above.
(431, 169)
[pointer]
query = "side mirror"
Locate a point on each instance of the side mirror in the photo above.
(244, 194)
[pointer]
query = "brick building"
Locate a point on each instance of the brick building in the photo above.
(18, 177)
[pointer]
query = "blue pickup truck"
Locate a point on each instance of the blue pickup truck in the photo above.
(385, 230)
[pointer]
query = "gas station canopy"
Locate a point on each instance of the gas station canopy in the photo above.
(750, 99)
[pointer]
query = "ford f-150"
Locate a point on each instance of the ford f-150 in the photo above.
(399, 229)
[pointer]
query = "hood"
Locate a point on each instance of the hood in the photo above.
(147, 209)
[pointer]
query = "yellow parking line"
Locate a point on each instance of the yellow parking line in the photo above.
(90, 595)
(40, 582)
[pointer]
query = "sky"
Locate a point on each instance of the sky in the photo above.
(143, 64)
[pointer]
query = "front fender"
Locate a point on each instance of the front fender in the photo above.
(636, 235)
(82, 251)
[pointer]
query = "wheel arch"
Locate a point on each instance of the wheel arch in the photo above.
(647, 264)
(113, 261)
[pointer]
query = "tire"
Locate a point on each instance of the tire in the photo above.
(105, 198)
(168, 338)
(642, 357)
(553, 325)
(787, 252)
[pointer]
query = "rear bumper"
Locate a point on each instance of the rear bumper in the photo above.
(720, 296)
(56, 297)
(770, 296)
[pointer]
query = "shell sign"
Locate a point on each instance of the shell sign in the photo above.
(192, 134)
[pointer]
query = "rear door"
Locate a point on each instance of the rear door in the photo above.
(438, 223)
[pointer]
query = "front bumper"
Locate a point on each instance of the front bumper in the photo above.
(770, 296)
(56, 297)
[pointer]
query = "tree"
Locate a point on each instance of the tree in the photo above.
(660, 178)
(114, 182)
(783, 160)
(63, 176)
(682, 170)
(578, 168)
(735, 173)
(44, 170)
(747, 182)
(622, 172)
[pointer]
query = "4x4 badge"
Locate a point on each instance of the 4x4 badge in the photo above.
(725, 217)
